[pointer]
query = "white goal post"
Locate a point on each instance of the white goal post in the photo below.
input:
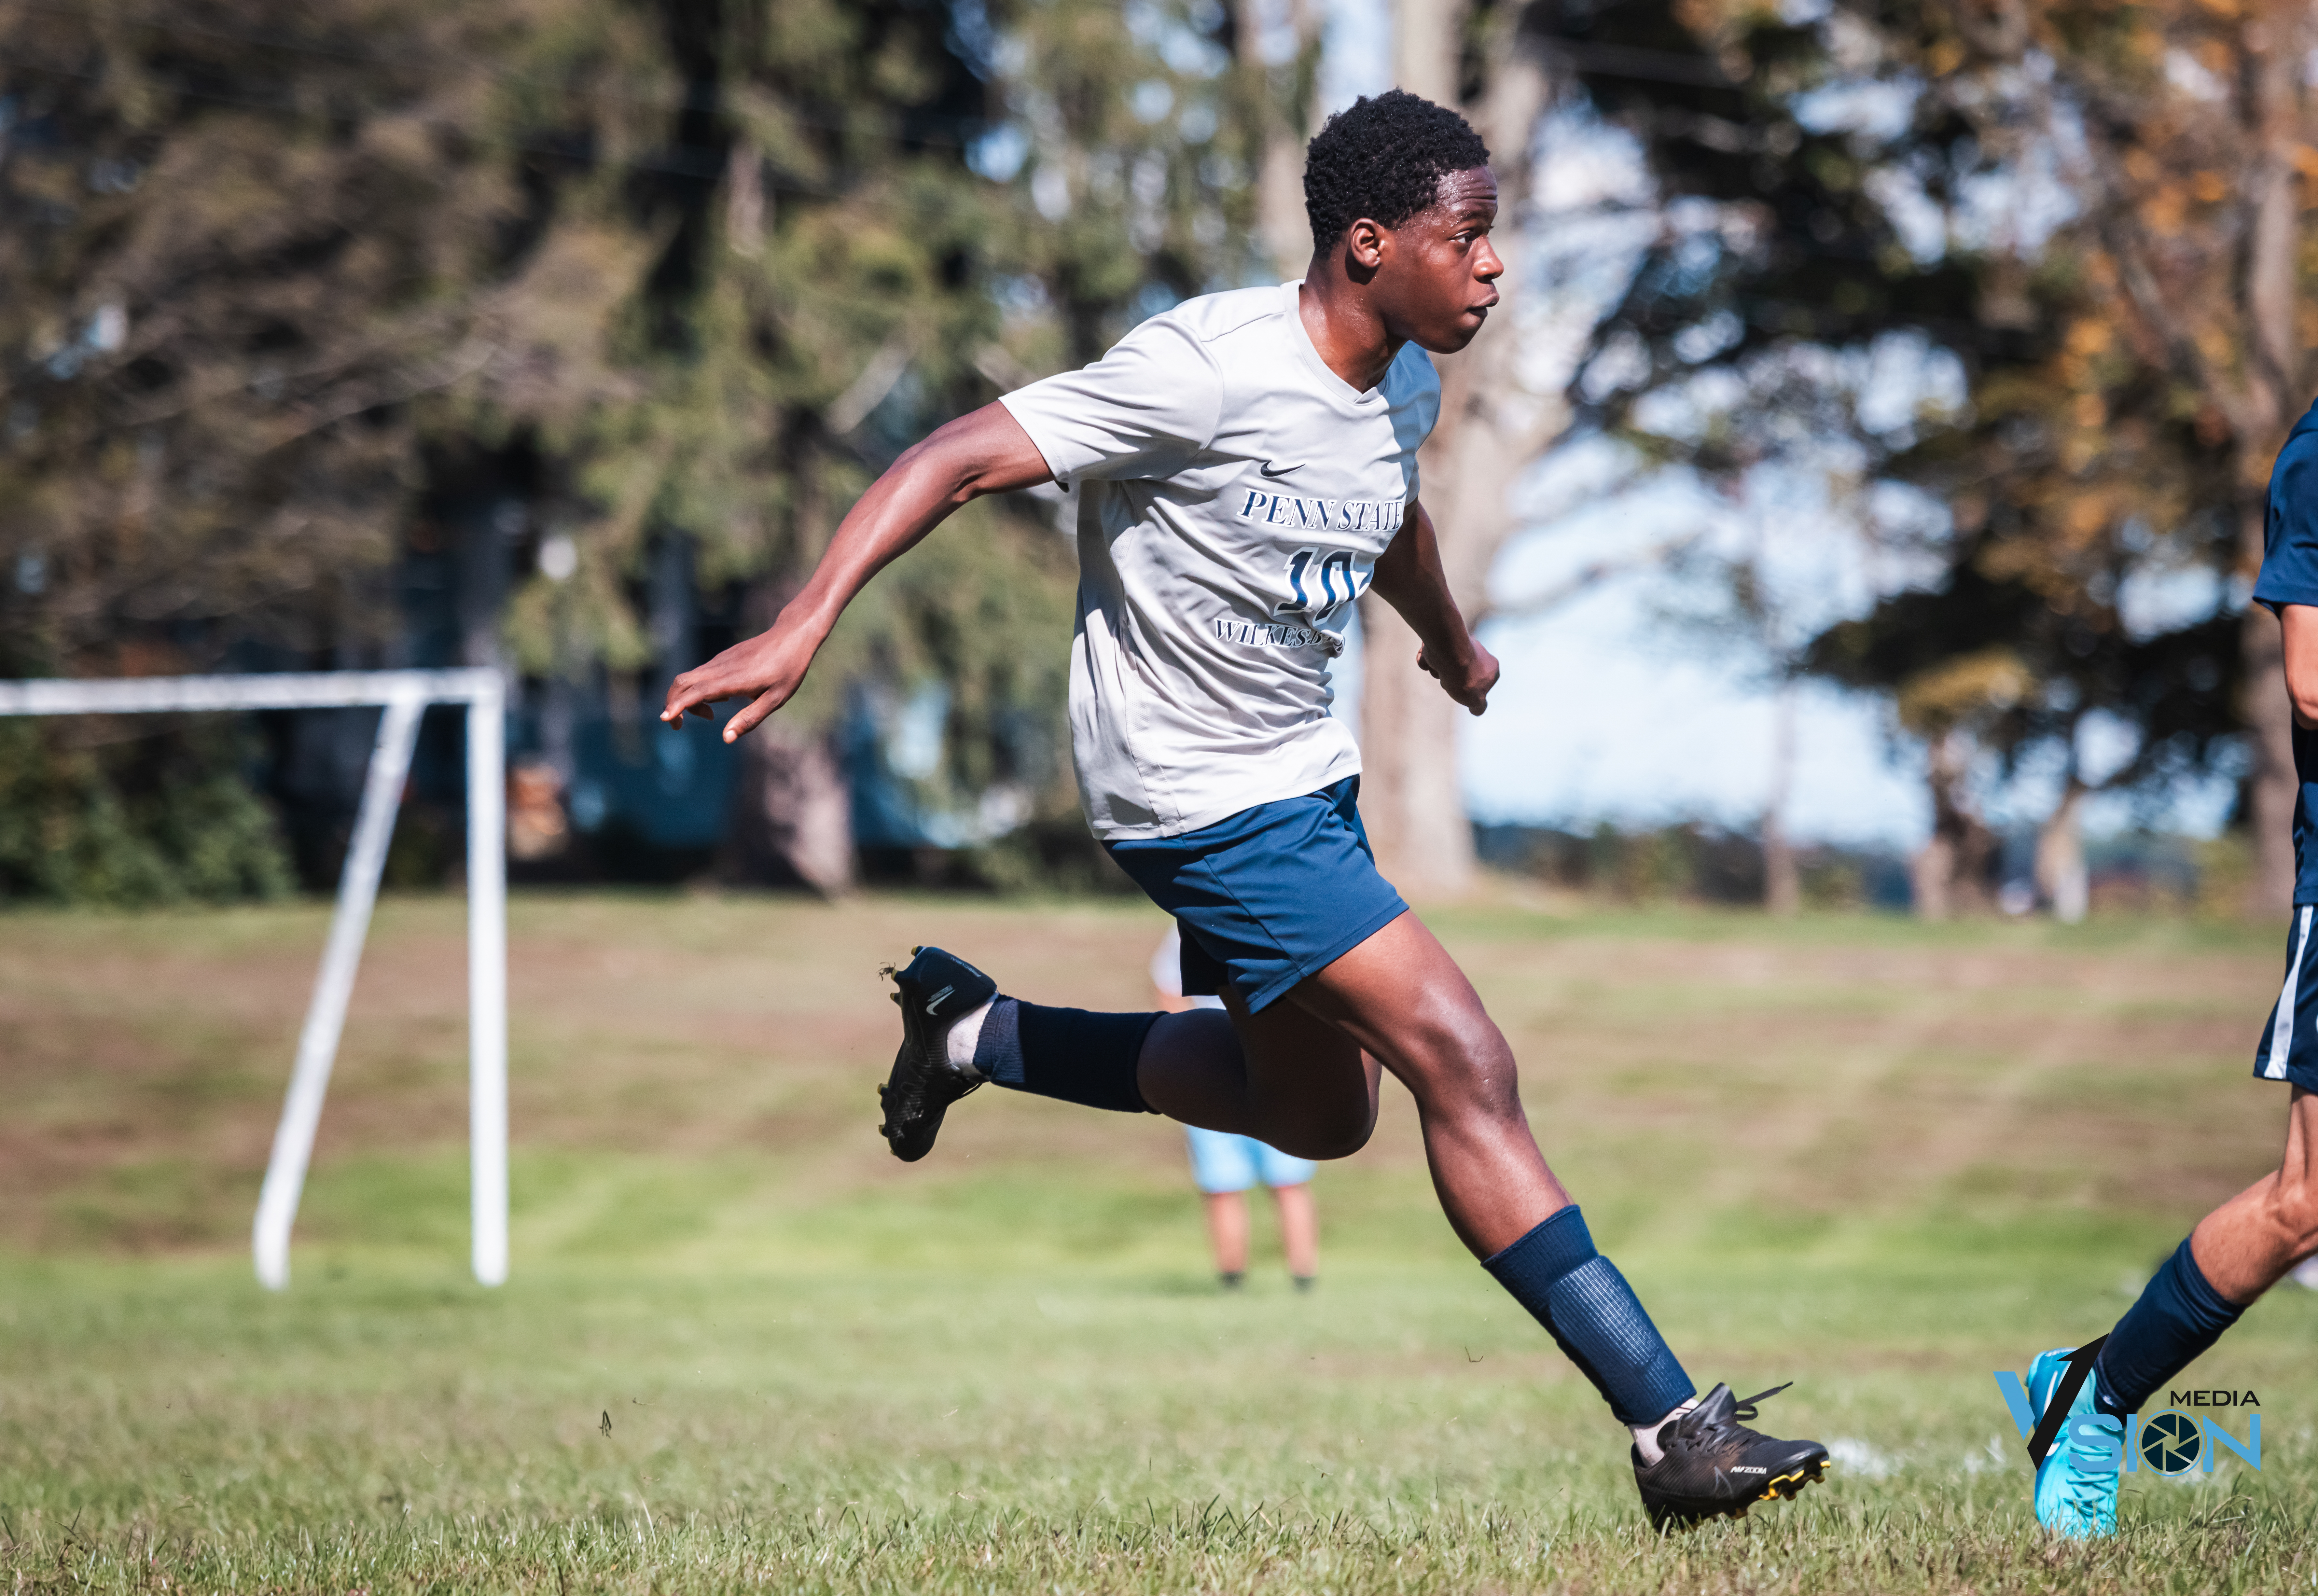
(402, 695)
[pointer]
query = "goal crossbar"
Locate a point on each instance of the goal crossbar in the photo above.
(403, 697)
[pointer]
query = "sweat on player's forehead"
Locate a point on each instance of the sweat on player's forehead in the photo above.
(1474, 188)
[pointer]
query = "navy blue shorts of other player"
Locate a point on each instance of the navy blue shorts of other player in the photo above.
(1272, 894)
(2288, 1050)
(2290, 575)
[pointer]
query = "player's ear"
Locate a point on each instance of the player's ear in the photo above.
(1364, 244)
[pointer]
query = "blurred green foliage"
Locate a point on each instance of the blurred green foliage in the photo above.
(156, 820)
(288, 286)
(2098, 212)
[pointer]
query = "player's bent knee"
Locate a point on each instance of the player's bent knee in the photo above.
(1460, 1074)
(1489, 1095)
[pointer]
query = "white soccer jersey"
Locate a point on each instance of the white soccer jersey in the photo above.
(1234, 493)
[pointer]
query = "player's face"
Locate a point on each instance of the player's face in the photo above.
(1436, 273)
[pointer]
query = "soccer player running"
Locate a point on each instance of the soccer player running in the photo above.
(1245, 466)
(2081, 1399)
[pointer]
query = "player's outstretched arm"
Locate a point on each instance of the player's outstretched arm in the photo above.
(1409, 578)
(986, 451)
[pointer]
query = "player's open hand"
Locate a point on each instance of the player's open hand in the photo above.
(1467, 682)
(767, 669)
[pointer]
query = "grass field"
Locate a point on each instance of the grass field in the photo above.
(743, 1349)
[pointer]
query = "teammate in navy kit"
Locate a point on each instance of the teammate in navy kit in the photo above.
(2253, 1240)
(1244, 466)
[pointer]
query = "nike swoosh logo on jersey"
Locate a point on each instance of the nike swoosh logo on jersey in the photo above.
(1268, 470)
(933, 1004)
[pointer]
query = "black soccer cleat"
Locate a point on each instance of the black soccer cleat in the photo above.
(1715, 1466)
(935, 992)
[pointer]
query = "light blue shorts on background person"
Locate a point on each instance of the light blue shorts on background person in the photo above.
(1222, 1161)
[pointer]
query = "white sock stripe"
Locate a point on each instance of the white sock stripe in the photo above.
(2281, 1031)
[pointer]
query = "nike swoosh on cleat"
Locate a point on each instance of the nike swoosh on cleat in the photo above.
(933, 1004)
(1268, 470)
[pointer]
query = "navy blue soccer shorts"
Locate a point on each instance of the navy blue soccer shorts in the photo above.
(1270, 896)
(2289, 1042)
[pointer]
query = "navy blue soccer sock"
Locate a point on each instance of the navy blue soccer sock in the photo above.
(1594, 1316)
(1071, 1053)
(2179, 1315)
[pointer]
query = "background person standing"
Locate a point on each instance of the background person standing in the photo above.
(1224, 1165)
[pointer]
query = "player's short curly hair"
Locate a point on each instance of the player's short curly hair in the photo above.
(1383, 157)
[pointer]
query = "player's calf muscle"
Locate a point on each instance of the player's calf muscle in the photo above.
(2290, 1214)
(2284, 1207)
(2248, 1243)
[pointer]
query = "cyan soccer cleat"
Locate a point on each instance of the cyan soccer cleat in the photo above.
(2076, 1482)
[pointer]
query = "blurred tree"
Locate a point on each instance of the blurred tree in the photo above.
(2055, 196)
(1496, 417)
(1134, 137)
(2180, 323)
(1277, 49)
(260, 249)
(256, 254)
(1113, 150)
(620, 301)
(818, 303)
